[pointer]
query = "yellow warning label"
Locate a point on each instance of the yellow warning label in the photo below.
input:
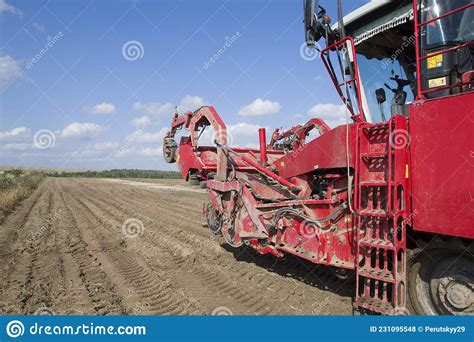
(437, 82)
(282, 164)
(407, 174)
(435, 61)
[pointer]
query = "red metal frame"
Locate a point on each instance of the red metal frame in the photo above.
(293, 196)
(419, 57)
(325, 57)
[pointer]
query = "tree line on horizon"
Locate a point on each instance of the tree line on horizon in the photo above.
(118, 173)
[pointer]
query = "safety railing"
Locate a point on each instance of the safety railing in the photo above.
(341, 45)
(419, 58)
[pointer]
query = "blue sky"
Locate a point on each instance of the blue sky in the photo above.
(74, 95)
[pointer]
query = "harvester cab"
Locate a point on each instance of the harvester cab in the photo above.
(379, 38)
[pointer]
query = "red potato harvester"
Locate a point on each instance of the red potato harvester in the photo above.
(387, 197)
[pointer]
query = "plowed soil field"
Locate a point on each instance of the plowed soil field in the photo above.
(97, 246)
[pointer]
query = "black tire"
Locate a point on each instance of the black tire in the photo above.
(214, 219)
(427, 273)
(170, 149)
(194, 180)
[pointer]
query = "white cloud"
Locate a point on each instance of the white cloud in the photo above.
(9, 71)
(104, 146)
(141, 121)
(142, 152)
(241, 134)
(101, 108)
(7, 8)
(80, 131)
(140, 136)
(190, 103)
(150, 152)
(154, 108)
(15, 147)
(334, 115)
(260, 107)
(15, 135)
(187, 103)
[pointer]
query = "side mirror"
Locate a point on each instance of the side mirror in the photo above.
(380, 95)
(314, 23)
(381, 98)
(310, 21)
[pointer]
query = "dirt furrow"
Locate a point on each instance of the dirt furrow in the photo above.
(127, 206)
(69, 250)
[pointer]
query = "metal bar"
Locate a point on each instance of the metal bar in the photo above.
(462, 8)
(263, 145)
(417, 51)
(446, 50)
(460, 84)
(269, 173)
(347, 82)
(253, 154)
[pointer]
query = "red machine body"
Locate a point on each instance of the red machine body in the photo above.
(364, 196)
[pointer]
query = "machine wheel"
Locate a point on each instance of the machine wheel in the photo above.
(229, 233)
(441, 282)
(194, 180)
(169, 150)
(194, 177)
(214, 219)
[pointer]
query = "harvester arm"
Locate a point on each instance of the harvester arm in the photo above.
(204, 116)
(300, 132)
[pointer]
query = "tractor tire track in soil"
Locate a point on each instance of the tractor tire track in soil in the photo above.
(68, 250)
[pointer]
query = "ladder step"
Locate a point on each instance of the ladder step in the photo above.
(376, 127)
(376, 274)
(378, 243)
(374, 183)
(373, 213)
(376, 305)
(377, 154)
